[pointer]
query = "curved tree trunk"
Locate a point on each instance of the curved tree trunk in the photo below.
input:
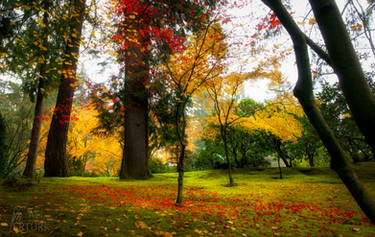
(281, 153)
(304, 92)
(55, 157)
(347, 66)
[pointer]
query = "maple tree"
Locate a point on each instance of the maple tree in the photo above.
(223, 92)
(147, 31)
(147, 110)
(87, 150)
(186, 72)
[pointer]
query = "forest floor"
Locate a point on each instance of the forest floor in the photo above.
(307, 202)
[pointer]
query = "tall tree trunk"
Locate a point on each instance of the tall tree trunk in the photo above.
(180, 161)
(37, 123)
(347, 66)
(180, 170)
(55, 157)
(304, 92)
(135, 153)
(35, 132)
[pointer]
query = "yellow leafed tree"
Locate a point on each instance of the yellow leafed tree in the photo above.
(98, 154)
(186, 73)
(279, 118)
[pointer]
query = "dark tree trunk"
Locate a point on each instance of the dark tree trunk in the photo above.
(281, 153)
(280, 172)
(37, 123)
(135, 153)
(347, 66)
(181, 157)
(180, 170)
(304, 92)
(311, 159)
(35, 132)
(55, 157)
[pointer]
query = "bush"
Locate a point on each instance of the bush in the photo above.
(18, 182)
(3, 146)
(157, 166)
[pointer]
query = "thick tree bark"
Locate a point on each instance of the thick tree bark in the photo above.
(35, 132)
(135, 153)
(347, 66)
(55, 157)
(304, 92)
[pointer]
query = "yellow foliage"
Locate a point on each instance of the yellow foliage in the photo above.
(103, 154)
(199, 63)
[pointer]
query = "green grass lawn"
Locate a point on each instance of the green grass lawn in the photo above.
(308, 202)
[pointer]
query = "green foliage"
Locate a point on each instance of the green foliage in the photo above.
(17, 182)
(336, 111)
(157, 166)
(3, 146)
(247, 107)
(16, 110)
(249, 148)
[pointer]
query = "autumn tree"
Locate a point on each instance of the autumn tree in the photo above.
(186, 73)
(55, 156)
(35, 132)
(341, 56)
(32, 54)
(147, 32)
(88, 150)
(223, 92)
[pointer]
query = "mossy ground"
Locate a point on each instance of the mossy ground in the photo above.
(307, 202)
